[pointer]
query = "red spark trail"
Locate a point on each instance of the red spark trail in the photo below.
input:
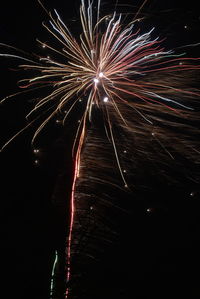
(72, 211)
(72, 204)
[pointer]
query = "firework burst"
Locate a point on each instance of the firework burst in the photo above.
(127, 75)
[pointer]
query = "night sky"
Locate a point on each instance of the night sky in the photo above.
(166, 225)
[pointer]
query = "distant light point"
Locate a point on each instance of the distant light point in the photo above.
(36, 162)
(36, 151)
(149, 210)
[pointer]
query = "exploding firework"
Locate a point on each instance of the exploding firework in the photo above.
(137, 108)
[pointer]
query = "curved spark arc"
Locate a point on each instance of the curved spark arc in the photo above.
(100, 68)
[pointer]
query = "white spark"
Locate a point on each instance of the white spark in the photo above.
(96, 80)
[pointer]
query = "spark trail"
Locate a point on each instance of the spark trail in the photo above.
(118, 70)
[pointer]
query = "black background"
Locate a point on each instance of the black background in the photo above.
(31, 228)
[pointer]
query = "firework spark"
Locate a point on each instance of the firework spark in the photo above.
(114, 68)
